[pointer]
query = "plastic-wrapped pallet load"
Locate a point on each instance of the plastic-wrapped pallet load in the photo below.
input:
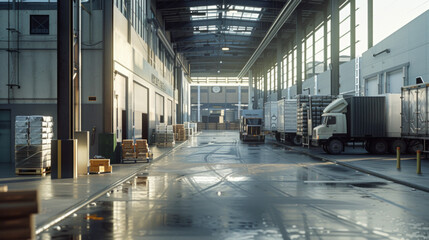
(33, 136)
(165, 135)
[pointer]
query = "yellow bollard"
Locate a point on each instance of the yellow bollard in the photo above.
(398, 157)
(419, 162)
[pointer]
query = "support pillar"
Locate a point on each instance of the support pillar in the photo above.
(255, 92)
(64, 150)
(370, 23)
(279, 68)
(199, 104)
(250, 92)
(239, 102)
(335, 47)
(298, 40)
(352, 29)
(107, 139)
(265, 87)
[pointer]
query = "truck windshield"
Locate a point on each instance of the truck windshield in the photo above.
(324, 120)
(253, 121)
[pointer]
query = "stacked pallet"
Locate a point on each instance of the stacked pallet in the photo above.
(142, 149)
(33, 135)
(211, 126)
(179, 132)
(128, 149)
(221, 126)
(100, 166)
(202, 126)
(164, 136)
(309, 112)
(16, 214)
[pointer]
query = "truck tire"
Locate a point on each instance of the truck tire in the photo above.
(379, 146)
(414, 145)
(278, 136)
(368, 146)
(325, 148)
(297, 140)
(397, 143)
(335, 146)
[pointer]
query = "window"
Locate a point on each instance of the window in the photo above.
(331, 121)
(39, 24)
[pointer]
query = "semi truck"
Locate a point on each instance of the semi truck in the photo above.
(374, 121)
(286, 121)
(251, 125)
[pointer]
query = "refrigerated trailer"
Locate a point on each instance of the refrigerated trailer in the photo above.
(270, 117)
(415, 116)
(286, 121)
(372, 120)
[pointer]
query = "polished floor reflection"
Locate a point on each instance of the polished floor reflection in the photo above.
(216, 187)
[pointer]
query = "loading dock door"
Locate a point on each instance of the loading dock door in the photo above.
(371, 86)
(145, 126)
(5, 136)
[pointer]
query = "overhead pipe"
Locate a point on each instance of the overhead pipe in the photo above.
(284, 15)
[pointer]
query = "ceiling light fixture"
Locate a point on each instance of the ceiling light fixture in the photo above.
(225, 48)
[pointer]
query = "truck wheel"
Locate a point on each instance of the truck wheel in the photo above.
(278, 137)
(368, 146)
(414, 145)
(335, 146)
(379, 146)
(325, 148)
(297, 140)
(397, 143)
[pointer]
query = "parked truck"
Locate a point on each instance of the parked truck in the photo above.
(372, 120)
(270, 118)
(251, 125)
(286, 121)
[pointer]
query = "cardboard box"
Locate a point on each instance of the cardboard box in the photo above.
(99, 162)
(96, 169)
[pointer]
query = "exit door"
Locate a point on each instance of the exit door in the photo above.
(5, 136)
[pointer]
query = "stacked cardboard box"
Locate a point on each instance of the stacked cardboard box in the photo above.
(16, 215)
(142, 149)
(309, 112)
(211, 126)
(202, 126)
(99, 166)
(179, 131)
(128, 149)
(165, 136)
(33, 135)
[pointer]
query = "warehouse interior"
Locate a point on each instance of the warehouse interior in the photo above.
(214, 119)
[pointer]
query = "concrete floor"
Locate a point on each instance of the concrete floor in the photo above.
(215, 187)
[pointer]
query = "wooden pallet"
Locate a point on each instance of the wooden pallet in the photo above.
(100, 169)
(165, 144)
(32, 171)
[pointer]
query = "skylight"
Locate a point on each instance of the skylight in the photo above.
(228, 12)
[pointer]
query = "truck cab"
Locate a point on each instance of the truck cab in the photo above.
(251, 126)
(333, 127)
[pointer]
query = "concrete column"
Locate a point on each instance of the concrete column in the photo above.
(298, 40)
(255, 93)
(250, 92)
(265, 87)
(335, 48)
(199, 104)
(279, 68)
(239, 102)
(370, 23)
(352, 29)
(108, 68)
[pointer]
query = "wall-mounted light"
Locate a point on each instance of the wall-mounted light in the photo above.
(225, 48)
(384, 51)
(220, 62)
